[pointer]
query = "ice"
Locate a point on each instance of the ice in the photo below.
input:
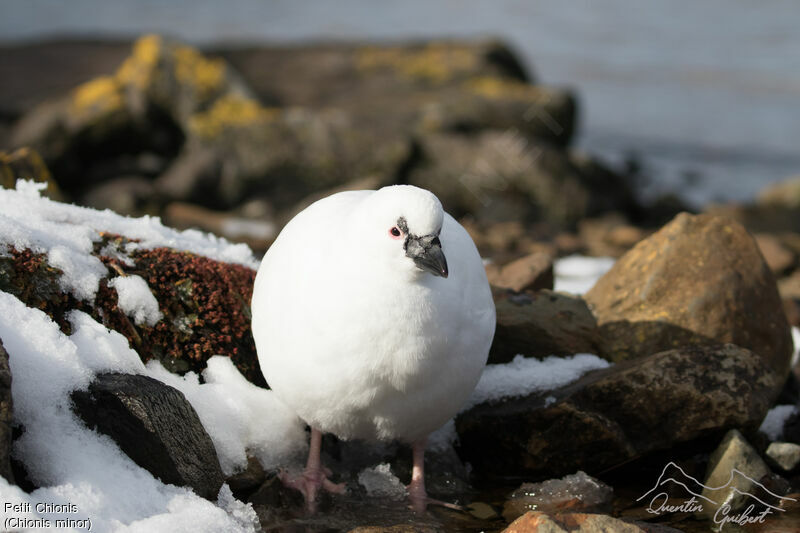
(577, 274)
(380, 482)
(524, 376)
(772, 426)
(67, 233)
(576, 492)
(136, 300)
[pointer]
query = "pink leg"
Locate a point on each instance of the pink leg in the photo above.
(315, 476)
(416, 489)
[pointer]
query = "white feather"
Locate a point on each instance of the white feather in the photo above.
(353, 336)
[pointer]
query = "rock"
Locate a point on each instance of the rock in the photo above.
(205, 303)
(778, 257)
(782, 194)
(539, 522)
(541, 324)
(734, 470)
(27, 164)
(502, 176)
(785, 455)
(577, 493)
(248, 480)
(258, 234)
(126, 195)
(609, 236)
(155, 426)
(791, 427)
(530, 273)
(614, 415)
(6, 416)
(699, 280)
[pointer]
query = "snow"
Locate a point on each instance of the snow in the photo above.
(67, 233)
(577, 274)
(523, 376)
(136, 300)
(380, 482)
(772, 426)
(796, 341)
(78, 466)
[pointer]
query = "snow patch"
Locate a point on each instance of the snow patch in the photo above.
(577, 274)
(381, 483)
(136, 300)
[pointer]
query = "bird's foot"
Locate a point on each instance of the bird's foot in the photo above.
(309, 484)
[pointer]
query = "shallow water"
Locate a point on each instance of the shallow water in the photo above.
(703, 94)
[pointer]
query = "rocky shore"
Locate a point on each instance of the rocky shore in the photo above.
(692, 376)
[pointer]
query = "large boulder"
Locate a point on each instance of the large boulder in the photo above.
(699, 280)
(614, 415)
(6, 415)
(155, 426)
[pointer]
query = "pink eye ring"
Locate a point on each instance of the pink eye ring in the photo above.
(395, 232)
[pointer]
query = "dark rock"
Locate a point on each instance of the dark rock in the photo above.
(699, 280)
(27, 164)
(734, 470)
(541, 324)
(155, 426)
(573, 493)
(248, 480)
(501, 176)
(791, 428)
(611, 416)
(539, 522)
(6, 416)
(530, 273)
(785, 455)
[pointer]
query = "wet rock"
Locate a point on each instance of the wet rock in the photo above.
(6, 416)
(779, 258)
(501, 176)
(574, 493)
(611, 416)
(248, 480)
(155, 426)
(539, 522)
(27, 164)
(734, 470)
(530, 273)
(786, 455)
(699, 280)
(540, 324)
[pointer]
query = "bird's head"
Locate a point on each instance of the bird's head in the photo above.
(401, 225)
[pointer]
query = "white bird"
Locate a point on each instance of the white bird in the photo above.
(365, 329)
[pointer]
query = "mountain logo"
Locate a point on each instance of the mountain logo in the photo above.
(715, 502)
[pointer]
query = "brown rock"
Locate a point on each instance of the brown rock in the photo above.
(699, 280)
(611, 416)
(27, 164)
(530, 273)
(541, 324)
(6, 416)
(539, 522)
(609, 236)
(782, 194)
(778, 257)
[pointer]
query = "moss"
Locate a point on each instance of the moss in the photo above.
(229, 111)
(435, 62)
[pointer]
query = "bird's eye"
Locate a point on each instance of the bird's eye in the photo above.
(395, 232)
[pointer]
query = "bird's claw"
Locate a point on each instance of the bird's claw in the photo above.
(310, 482)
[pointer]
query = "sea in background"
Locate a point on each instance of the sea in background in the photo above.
(704, 95)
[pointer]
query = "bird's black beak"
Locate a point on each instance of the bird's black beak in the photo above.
(426, 251)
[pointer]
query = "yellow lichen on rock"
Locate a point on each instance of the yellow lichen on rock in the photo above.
(192, 68)
(436, 62)
(495, 88)
(231, 110)
(97, 96)
(26, 164)
(137, 69)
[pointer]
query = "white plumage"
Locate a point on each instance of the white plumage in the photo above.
(369, 334)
